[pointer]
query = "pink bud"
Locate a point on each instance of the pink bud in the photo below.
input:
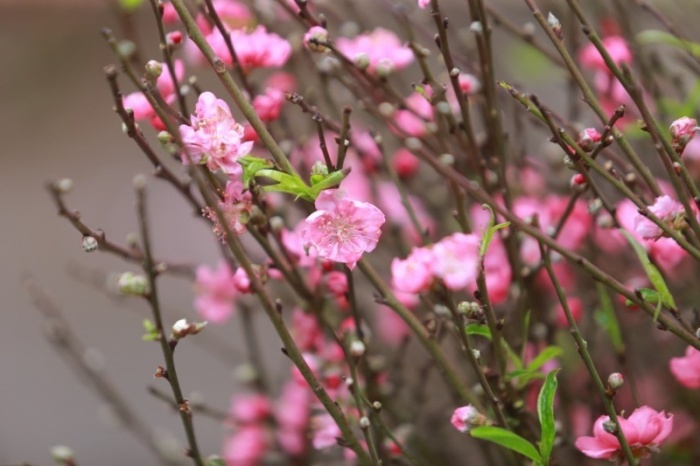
(588, 138)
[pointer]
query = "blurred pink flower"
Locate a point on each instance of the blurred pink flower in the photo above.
(314, 34)
(246, 447)
(268, 105)
(576, 308)
(215, 293)
(414, 274)
(687, 369)
(235, 209)
(456, 260)
(667, 210)
(214, 138)
(644, 430)
(341, 229)
(381, 46)
(423, 3)
(138, 102)
(467, 417)
(412, 120)
(616, 47)
(250, 408)
(256, 49)
(325, 432)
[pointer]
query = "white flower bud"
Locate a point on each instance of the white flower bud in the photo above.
(89, 244)
(615, 381)
(131, 284)
(65, 185)
(364, 422)
(62, 454)
(357, 348)
(361, 60)
(154, 69)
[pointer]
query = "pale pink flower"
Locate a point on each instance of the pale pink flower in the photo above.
(306, 330)
(381, 47)
(668, 210)
(423, 3)
(215, 293)
(469, 84)
(255, 49)
(389, 200)
(247, 446)
(687, 369)
(268, 105)
(617, 48)
(467, 417)
(682, 131)
(456, 260)
(391, 328)
(293, 242)
(415, 273)
(412, 120)
(138, 102)
(497, 272)
(214, 138)
(341, 229)
(169, 15)
(314, 35)
(644, 430)
(250, 408)
(235, 209)
(325, 432)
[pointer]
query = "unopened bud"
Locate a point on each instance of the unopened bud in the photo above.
(164, 137)
(63, 455)
(357, 349)
(413, 144)
(615, 381)
(319, 168)
(610, 427)
(140, 181)
(131, 284)
(385, 67)
(470, 309)
(588, 139)
(467, 417)
(182, 328)
(477, 354)
(276, 224)
(361, 60)
(364, 422)
(476, 27)
(174, 38)
(89, 244)
(554, 23)
(154, 69)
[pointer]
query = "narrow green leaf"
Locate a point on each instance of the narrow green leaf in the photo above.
(491, 230)
(606, 318)
(545, 411)
(649, 295)
(548, 353)
(653, 273)
(507, 439)
(478, 329)
(653, 36)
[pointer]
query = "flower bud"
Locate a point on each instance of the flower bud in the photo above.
(682, 131)
(588, 139)
(312, 38)
(364, 422)
(361, 60)
(468, 417)
(615, 381)
(476, 27)
(554, 23)
(357, 349)
(469, 308)
(182, 328)
(319, 168)
(63, 455)
(131, 284)
(174, 38)
(154, 69)
(89, 244)
(385, 67)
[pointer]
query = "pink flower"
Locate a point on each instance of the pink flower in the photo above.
(456, 260)
(465, 418)
(644, 430)
(616, 47)
(341, 229)
(268, 106)
(588, 138)
(667, 210)
(405, 163)
(250, 409)
(381, 47)
(687, 369)
(469, 83)
(415, 273)
(214, 138)
(246, 447)
(412, 121)
(138, 102)
(682, 131)
(325, 432)
(235, 209)
(423, 3)
(256, 49)
(215, 293)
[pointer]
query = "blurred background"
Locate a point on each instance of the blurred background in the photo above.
(56, 121)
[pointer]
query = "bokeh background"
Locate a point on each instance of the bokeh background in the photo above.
(56, 121)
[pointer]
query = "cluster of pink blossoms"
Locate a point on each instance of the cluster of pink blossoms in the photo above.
(668, 210)
(380, 50)
(213, 137)
(644, 430)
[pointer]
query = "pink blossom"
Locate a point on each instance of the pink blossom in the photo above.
(391, 328)
(415, 273)
(306, 330)
(246, 447)
(668, 210)
(138, 102)
(497, 272)
(456, 260)
(381, 47)
(423, 3)
(214, 138)
(341, 229)
(268, 106)
(684, 127)
(256, 49)
(389, 199)
(405, 163)
(234, 15)
(465, 418)
(469, 84)
(235, 209)
(250, 409)
(215, 293)
(644, 430)
(588, 138)
(616, 47)
(687, 369)
(337, 282)
(293, 407)
(412, 121)
(325, 432)
(169, 15)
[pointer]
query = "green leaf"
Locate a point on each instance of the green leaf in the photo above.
(545, 411)
(507, 439)
(251, 166)
(548, 353)
(653, 36)
(606, 318)
(130, 5)
(478, 329)
(649, 295)
(491, 230)
(653, 273)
